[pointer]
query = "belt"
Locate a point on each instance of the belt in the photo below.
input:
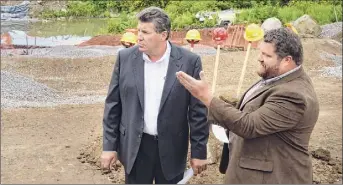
(154, 137)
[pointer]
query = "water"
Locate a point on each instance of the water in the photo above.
(51, 33)
(77, 27)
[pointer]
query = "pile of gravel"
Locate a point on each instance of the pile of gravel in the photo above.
(331, 30)
(17, 87)
(334, 71)
(20, 91)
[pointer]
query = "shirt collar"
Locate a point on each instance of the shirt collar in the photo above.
(271, 80)
(165, 55)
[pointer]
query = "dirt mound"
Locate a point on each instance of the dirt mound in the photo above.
(91, 154)
(325, 169)
(109, 40)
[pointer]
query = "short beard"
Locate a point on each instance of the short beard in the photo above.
(270, 72)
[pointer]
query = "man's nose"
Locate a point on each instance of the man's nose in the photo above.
(260, 57)
(140, 36)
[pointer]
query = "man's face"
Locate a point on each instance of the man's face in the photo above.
(269, 62)
(148, 39)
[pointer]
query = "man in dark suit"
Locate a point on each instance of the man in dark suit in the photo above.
(271, 127)
(149, 116)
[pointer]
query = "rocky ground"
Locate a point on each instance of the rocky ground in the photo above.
(51, 112)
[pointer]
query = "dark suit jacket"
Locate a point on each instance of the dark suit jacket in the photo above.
(271, 132)
(181, 116)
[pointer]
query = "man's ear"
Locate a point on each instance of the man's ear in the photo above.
(289, 61)
(164, 35)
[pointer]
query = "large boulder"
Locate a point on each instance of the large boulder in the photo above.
(271, 23)
(306, 26)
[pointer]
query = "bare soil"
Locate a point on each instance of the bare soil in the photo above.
(61, 144)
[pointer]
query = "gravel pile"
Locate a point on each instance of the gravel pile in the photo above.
(20, 91)
(330, 30)
(65, 52)
(17, 87)
(334, 71)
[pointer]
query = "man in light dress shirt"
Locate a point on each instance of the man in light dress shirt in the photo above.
(149, 117)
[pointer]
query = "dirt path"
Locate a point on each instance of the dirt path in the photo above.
(41, 145)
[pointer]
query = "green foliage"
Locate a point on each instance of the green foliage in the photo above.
(81, 9)
(321, 11)
(258, 13)
(288, 14)
(182, 13)
(120, 24)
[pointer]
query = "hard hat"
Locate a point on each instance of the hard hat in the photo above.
(290, 26)
(219, 34)
(129, 37)
(193, 35)
(253, 32)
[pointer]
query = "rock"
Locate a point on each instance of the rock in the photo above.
(322, 154)
(111, 176)
(332, 162)
(338, 36)
(271, 23)
(338, 169)
(306, 25)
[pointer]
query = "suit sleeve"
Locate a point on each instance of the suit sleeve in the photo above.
(197, 118)
(281, 111)
(112, 112)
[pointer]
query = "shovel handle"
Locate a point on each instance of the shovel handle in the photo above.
(215, 70)
(243, 71)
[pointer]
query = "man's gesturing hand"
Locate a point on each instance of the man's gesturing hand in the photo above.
(198, 88)
(108, 160)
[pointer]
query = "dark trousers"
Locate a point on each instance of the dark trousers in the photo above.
(147, 167)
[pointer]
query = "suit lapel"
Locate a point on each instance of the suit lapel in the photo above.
(242, 98)
(254, 95)
(138, 71)
(173, 66)
(285, 79)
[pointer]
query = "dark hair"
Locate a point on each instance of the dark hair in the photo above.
(286, 43)
(158, 17)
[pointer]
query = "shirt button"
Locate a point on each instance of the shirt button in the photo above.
(140, 135)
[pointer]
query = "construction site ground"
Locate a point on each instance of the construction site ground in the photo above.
(57, 144)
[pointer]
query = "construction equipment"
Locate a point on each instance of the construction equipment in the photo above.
(128, 39)
(193, 37)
